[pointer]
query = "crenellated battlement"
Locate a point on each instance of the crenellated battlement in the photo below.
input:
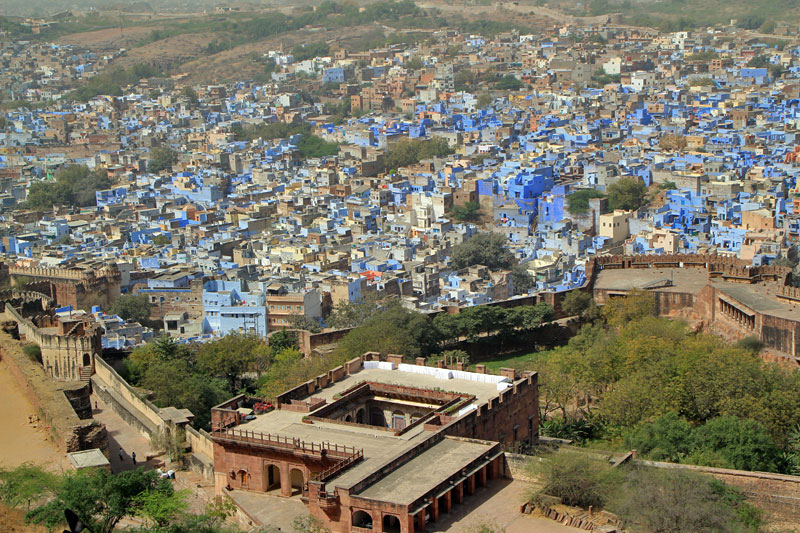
(727, 268)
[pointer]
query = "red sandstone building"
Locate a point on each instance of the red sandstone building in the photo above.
(375, 444)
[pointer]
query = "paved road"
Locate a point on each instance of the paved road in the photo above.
(122, 436)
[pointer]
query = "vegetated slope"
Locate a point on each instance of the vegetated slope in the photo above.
(673, 15)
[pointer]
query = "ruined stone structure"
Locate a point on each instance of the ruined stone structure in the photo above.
(82, 286)
(69, 346)
(65, 406)
(725, 293)
(368, 454)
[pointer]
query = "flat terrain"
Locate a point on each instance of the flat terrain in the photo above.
(20, 440)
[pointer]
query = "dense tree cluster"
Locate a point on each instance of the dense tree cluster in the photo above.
(645, 499)
(411, 151)
(398, 330)
(198, 376)
(74, 185)
(101, 500)
(578, 202)
(628, 194)
(113, 81)
(637, 375)
(487, 249)
(132, 307)
(162, 159)
(469, 212)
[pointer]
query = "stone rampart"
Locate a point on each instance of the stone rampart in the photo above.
(54, 401)
(115, 391)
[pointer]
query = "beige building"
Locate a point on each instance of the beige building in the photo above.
(614, 225)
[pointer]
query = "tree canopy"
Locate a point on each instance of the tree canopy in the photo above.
(488, 249)
(411, 151)
(162, 159)
(645, 499)
(393, 330)
(631, 369)
(628, 194)
(73, 185)
(132, 307)
(578, 202)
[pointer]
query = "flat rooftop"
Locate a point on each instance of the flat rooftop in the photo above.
(407, 484)
(760, 297)
(379, 446)
(628, 279)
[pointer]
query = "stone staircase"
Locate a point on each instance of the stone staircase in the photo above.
(86, 373)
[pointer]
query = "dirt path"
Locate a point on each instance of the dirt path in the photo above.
(21, 441)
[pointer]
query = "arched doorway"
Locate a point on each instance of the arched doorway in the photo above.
(362, 519)
(377, 418)
(87, 360)
(360, 416)
(273, 478)
(244, 478)
(348, 418)
(391, 524)
(297, 480)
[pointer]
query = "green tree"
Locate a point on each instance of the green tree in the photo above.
(313, 146)
(393, 330)
(231, 356)
(575, 478)
(352, 314)
(132, 307)
(680, 502)
(488, 249)
(742, 444)
(73, 185)
(509, 82)
(484, 100)
(304, 51)
(162, 159)
(25, 483)
(415, 63)
(576, 302)
(469, 212)
(190, 94)
(411, 151)
(578, 202)
(281, 340)
(101, 499)
(627, 193)
(521, 279)
(667, 438)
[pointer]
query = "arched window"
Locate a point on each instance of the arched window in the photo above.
(391, 524)
(362, 519)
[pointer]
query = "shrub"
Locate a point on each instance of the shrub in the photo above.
(575, 478)
(33, 352)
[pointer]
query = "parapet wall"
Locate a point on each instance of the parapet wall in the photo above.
(717, 266)
(115, 391)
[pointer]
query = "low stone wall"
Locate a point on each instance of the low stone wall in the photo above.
(67, 431)
(778, 495)
(202, 457)
(115, 391)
